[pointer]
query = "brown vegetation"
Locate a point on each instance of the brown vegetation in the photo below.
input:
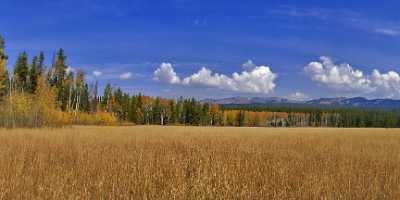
(199, 163)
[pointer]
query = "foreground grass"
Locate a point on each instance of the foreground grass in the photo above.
(199, 163)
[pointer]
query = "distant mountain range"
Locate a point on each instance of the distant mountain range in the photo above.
(360, 102)
(248, 100)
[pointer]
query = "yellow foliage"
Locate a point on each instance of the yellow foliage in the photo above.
(99, 118)
(40, 110)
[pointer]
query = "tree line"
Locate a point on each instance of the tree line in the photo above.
(35, 95)
(306, 116)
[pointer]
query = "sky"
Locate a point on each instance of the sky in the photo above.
(213, 49)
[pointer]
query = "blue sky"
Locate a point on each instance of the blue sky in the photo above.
(127, 41)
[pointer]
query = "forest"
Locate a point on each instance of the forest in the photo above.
(35, 95)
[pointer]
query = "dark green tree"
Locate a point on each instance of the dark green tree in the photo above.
(4, 77)
(240, 118)
(34, 74)
(41, 67)
(60, 69)
(84, 99)
(21, 71)
(106, 101)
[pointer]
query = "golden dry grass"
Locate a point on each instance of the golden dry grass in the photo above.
(199, 163)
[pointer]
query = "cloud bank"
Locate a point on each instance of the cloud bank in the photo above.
(260, 79)
(345, 78)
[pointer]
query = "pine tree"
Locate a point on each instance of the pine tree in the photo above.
(133, 110)
(21, 71)
(106, 101)
(126, 106)
(240, 118)
(41, 67)
(172, 109)
(84, 99)
(60, 69)
(117, 103)
(34, 73)
(4, 78)
(156, 110)
(93, 97)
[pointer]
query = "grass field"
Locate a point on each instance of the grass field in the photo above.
(199, 163)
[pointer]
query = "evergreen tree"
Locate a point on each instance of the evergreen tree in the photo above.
(172, 109)
(60, 69)
(41, 67)
(133, 110)
(240, 118)
(117, 103)
(93, 97)
(4, 78)
(34, 73)
(21, 71)
(106, 101)
(157, 112)
(84, 99)
(126, 106)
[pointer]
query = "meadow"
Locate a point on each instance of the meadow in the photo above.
(154, 162)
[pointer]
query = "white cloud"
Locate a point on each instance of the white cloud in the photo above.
(97, 73)
(205, 77)
(298, 96)
(344, 78)
(249, 65)
(387, 84)
(341, 76)
(258, 80)
(166, 74)
(125, 76)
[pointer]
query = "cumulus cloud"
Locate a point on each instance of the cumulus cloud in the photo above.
(125, 76)
(97, 73)
(249, 65)
(166, 74)
(258, 80)
(343, 77)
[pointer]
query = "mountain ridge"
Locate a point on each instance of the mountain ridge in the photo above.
(360, 102)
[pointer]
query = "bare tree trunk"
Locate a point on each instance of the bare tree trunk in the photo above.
(162, 118)
(69, 99)
(78, 99)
